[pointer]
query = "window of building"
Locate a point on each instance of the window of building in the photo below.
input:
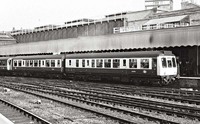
(107, 63)
(132, 63)
(116, 63)
(144, 63)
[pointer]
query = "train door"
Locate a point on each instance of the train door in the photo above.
(9, 64)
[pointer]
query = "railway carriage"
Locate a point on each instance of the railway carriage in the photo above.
(135, 67)
(140, 67)
(38, 66)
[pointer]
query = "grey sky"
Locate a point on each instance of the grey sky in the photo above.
(31, 13)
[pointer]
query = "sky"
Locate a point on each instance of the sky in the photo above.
(27, 14)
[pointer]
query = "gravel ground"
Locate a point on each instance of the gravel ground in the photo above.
(53, 112)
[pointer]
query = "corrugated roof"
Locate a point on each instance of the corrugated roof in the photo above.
(166, 20)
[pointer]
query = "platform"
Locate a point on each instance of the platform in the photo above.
(4, 120)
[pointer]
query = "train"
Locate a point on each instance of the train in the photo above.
(141, 67)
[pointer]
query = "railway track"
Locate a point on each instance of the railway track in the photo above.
(106, 107)
(19, 115)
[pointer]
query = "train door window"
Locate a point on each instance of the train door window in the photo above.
(15, 63)
(58, 63)
(99, 63)
(19, 63)
(83, 63)
(23, 63)
(70, 63)
(93, 63)
(164, 62)
(124, 62)
(39, 63)
(87, 63)
(77, 63)
(47, 63)
(53, 64)
(116, 63)
(169, 63)
(144, 63)
(132, 63)
(107, 63)
(174, 62)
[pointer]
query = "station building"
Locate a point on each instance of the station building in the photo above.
(150, 29)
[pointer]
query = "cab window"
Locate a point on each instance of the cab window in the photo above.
(164, 62)
(169, 62)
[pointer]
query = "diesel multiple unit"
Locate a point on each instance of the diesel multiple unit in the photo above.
(131, 67)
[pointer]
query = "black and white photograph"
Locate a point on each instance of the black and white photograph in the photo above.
(100, 62)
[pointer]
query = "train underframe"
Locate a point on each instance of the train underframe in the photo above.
(98, 77)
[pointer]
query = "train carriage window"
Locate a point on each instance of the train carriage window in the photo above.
(116, 63)
(15, 63)
(58, 63)
(83, 63)
(53, 63)
(77, 63)
(27, 63)
(164, 62)
(93, 63)
(47, 63)
(174, 62)
(144, 63)
(99, 63)
(107, 63)
(31, 63)
(132, 63)
(19, 63)
(35, 63)
(169, 63)
(3, 63)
